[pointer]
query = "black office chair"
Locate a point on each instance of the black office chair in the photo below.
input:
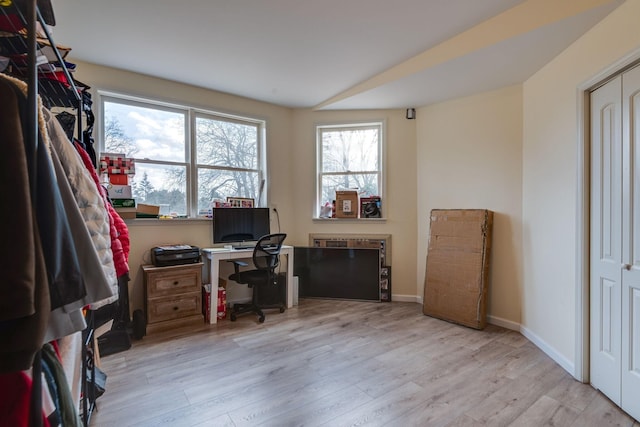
(263, 280)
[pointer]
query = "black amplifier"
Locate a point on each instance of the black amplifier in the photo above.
(162, 256)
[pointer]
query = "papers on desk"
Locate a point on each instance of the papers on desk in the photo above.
(229, 249)
(175, 247)
(216, 249)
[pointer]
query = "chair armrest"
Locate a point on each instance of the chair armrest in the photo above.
(237, 264)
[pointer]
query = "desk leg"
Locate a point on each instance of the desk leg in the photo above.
(214, 272)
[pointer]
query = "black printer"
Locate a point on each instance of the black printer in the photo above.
(162, 256)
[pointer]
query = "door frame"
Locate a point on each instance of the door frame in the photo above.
(582, 367)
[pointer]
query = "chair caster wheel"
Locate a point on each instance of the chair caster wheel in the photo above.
(261, 319)
(233, 317)
(281, 309)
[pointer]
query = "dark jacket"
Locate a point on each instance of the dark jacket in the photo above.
(24, 292)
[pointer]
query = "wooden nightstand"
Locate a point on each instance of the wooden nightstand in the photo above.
(173, 296)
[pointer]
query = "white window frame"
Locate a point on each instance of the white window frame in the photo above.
(261, 169)
(320, 128)
(190, 141)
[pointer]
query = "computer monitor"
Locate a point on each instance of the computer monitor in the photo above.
(237, 226)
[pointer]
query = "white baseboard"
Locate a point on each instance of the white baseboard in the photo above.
(565, 363)
(504, 323)
(406, 298)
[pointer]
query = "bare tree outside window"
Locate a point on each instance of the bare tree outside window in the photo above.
(227, 160)
(115, 139)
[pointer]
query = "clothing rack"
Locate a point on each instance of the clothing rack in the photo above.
(70, 80)
(35, 413)
(29, 13)
(88, 405)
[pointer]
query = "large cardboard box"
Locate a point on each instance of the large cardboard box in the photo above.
(456, 281)
(347, 204)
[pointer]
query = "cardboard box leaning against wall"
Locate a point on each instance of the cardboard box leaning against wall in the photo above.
(457, 275)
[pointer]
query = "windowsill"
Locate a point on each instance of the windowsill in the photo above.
(173, 221)
(349, 220)
(177, 221)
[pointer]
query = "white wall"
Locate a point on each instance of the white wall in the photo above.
(469, 156)
(291, 163)
(399, 205)
(146, 234)
(552, 145)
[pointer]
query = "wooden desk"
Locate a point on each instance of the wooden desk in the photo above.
(213, 256)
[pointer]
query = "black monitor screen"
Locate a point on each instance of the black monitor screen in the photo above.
(341, 273)
(232, 225)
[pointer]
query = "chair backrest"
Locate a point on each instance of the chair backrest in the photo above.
(266, 254)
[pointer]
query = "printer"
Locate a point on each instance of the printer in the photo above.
(163, 256)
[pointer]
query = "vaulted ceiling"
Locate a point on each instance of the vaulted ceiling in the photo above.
(329, 54)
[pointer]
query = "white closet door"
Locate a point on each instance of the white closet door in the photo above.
(631, 243)
(615, 240)
(606, 239)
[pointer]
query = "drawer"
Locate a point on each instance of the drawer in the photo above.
(174, 307)
(163, 284)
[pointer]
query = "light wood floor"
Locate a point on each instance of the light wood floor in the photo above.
(344, 363)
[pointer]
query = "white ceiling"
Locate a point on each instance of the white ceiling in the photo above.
(331, 54)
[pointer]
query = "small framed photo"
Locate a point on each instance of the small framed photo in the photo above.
(240, 202)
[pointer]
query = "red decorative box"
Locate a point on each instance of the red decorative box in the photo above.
(222, 303)
(116, 164)
(119, 179)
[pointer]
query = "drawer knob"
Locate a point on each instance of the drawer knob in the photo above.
(175, 308)
(176, 282)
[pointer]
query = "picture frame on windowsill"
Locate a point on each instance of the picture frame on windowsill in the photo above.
(240, 202)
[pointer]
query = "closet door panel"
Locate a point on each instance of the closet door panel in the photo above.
(631, 243)
(606, 232)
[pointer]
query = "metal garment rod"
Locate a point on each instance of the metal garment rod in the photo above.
(59, 57)
(32, 139)
(66, 73)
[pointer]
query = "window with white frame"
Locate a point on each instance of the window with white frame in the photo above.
(349, 157)
(184, 158)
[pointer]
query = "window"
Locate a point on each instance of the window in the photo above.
(227, 159)
(349, 156)
(184, 158)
